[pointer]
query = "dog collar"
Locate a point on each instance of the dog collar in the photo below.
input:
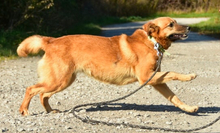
(158, 47)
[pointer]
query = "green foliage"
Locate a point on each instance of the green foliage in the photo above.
(60, 15)
(210, 27)
(22, 12)
(10, 39)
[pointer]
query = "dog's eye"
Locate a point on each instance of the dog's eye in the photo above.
(171, 24)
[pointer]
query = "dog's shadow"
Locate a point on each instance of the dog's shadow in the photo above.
(153, 108)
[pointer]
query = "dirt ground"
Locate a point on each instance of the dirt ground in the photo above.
(198, 54)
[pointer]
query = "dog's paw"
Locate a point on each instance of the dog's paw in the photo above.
(193, 109)
(23, 112)
(189, 109)
(190, 77)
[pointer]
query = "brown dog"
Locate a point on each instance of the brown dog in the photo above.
(117, 60)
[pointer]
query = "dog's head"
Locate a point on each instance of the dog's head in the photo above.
(166, 30)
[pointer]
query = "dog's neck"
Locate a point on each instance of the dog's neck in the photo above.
(160, 50)
(143, 36)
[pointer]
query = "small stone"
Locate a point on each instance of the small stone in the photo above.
(82, 111)
(30, 130)
(4, 130)
(58, 103)
(68, 127)
(29, 122)
(137, 114)
(20, 129)
(169, 122)
(149, 122)
(18, 122)
(147, 116)
(5, 102)
(119, 127)
(185, 122)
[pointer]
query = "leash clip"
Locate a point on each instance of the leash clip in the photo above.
(156, 47)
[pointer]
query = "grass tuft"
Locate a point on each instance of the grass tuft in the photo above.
(210, 27)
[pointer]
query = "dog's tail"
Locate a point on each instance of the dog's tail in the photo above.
(32, 44)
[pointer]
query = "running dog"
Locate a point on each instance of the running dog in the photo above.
(117, 60)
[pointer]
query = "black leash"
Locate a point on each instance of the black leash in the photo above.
(90, 121)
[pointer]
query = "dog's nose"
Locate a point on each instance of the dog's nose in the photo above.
(188, 28)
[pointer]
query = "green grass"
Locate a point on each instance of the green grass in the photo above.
(190, 15)
(210, 27)
(3, 58)
(9, 41)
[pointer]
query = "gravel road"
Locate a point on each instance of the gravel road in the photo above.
(198, 54)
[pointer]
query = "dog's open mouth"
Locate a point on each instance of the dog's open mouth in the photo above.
(174, 37)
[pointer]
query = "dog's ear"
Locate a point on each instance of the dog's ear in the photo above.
(151, 28)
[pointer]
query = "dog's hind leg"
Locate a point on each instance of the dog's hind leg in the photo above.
(45, 91)
(30, 92)
(54, 77)
(44, 97)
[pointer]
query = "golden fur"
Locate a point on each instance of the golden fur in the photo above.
(117, 60)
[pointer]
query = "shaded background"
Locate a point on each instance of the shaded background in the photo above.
(62, 14)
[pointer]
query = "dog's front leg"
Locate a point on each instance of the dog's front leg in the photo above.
(167, 93)
(163, 77)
